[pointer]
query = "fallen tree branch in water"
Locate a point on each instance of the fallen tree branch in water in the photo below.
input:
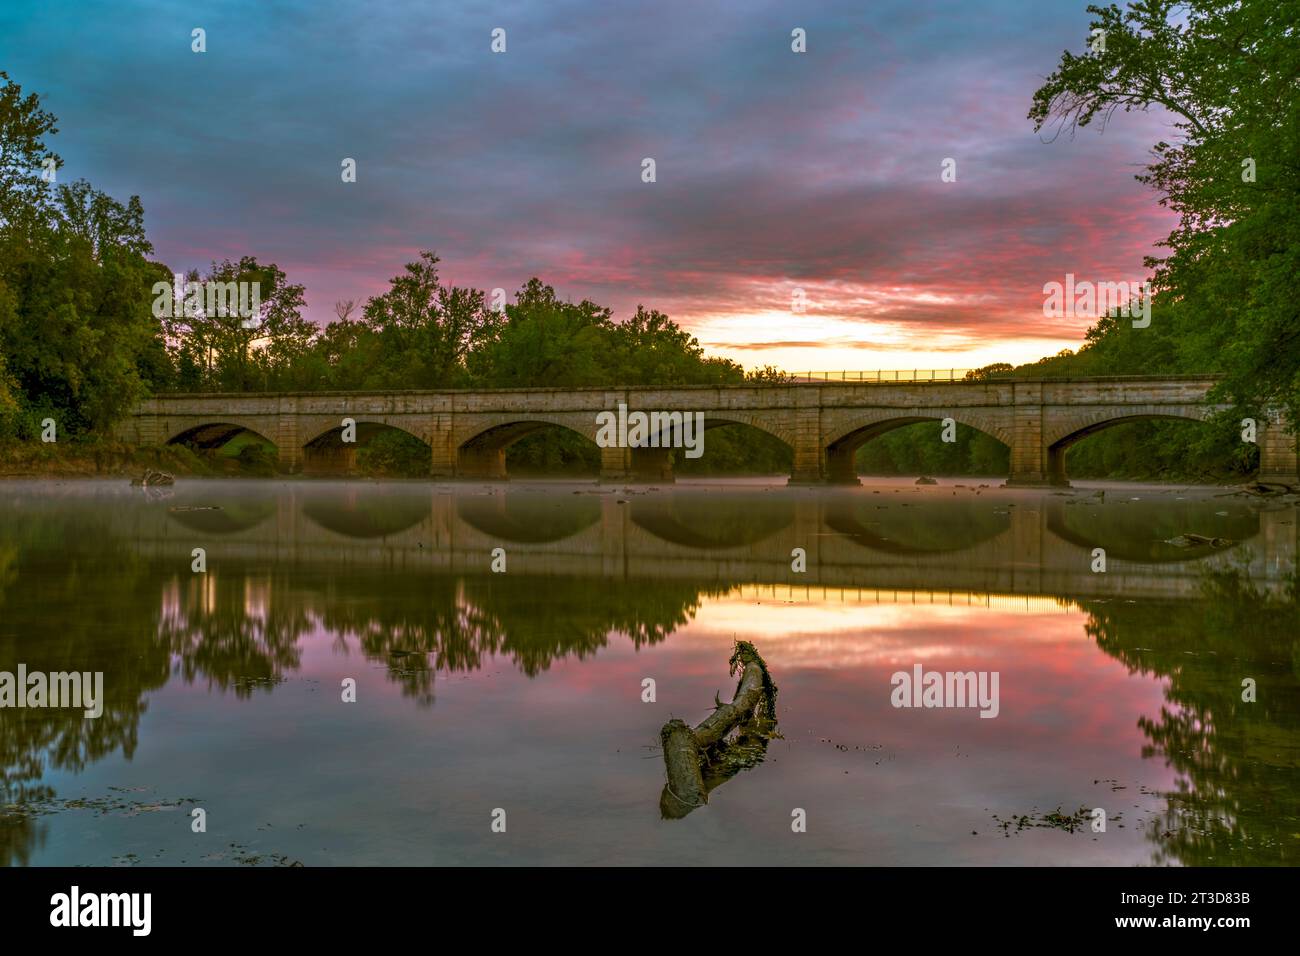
(152, 477)
(733, 738)
(1263, 489)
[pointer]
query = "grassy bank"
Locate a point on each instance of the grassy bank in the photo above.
(110, 459)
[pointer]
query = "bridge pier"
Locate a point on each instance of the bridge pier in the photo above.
(636, 465)
(482, 464)
(615, 465)
(1029, 459)
(1278, 462)
(331, 460)
(442, 448)
(798, 477)
(810, 466)
(288, 442)
(1033, 463)
(651, 465)
(1056, 466)
(654, 465)
(288, 458)
(840, 466)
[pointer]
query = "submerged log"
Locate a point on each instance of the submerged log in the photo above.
(732, 738)
(1189, 540)
(684, 790)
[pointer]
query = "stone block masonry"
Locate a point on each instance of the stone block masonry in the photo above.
(824, 423)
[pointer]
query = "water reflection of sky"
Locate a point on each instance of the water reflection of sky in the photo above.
(570, 754)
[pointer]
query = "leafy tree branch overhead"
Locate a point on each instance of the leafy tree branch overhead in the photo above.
(1228, 73)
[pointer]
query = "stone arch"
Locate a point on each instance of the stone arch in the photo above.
(214, 431)
(480, 442)
(324, 452)
(655, 461)
(764, 423)
(504, 433)
(319, 430)
(842, 440)
(1080, 425)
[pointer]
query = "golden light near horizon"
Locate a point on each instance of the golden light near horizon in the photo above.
(820, 342)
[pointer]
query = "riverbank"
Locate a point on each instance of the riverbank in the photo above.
(99, 460)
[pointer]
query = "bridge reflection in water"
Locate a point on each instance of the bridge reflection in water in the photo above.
(895, 539)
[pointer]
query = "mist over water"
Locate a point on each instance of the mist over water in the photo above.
(522, 690)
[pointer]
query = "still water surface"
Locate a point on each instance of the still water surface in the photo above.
(522, 690)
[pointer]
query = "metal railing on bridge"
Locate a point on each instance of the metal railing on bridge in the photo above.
(886, 375)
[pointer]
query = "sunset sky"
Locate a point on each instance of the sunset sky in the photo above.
(775, 170)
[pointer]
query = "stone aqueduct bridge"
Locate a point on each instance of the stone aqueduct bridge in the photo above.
(824, 423)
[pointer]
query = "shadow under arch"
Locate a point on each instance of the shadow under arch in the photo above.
(1057, 449)
(211, 435)
(527, 519)
(716, 420)
(366, 429)
(841, 453)
(664, 449)
(484, 454)
(1140, 531)
(328, 454)
(709, 523)
(933, 527)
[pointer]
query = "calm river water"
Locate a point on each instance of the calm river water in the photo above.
(518, 696)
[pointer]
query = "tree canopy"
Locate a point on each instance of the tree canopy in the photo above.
(1227, 73)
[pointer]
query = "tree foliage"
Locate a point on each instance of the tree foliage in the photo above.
(1227, 74)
